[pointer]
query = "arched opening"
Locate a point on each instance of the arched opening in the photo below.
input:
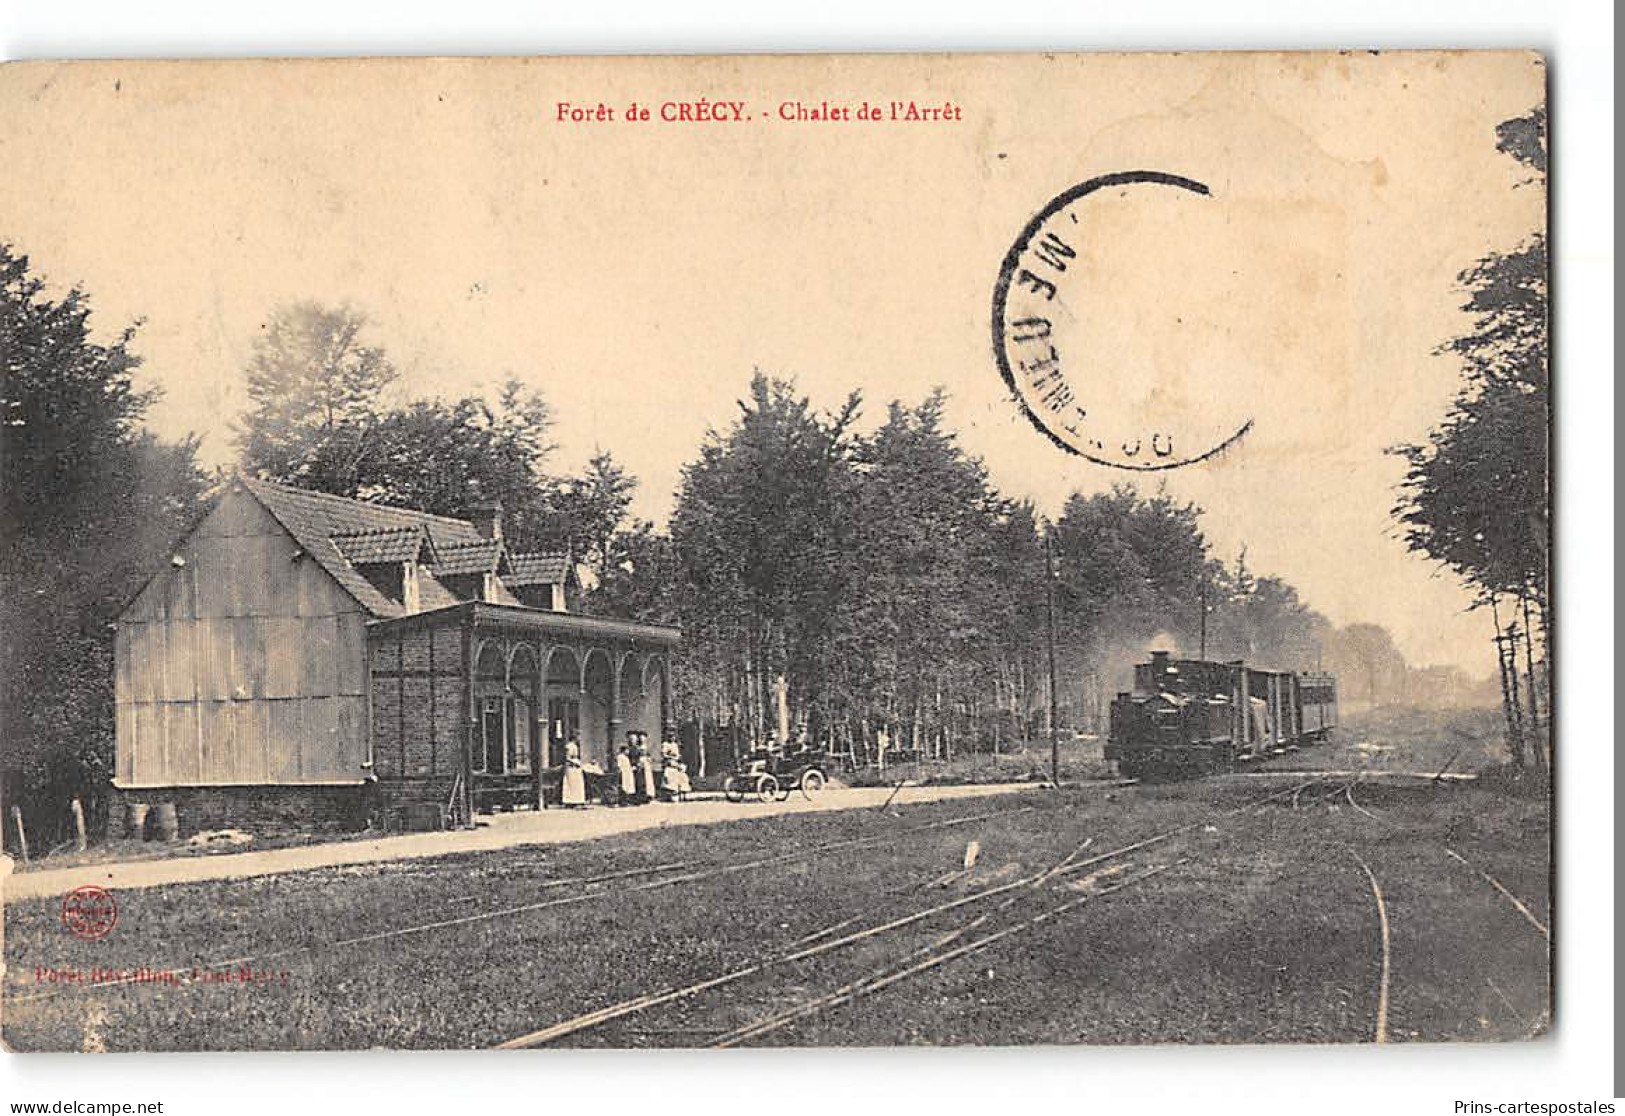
(655, 681)
(640, 700)
(523, 746)
(561, 682)
(598, 708)
(505, 761)
(490, 692)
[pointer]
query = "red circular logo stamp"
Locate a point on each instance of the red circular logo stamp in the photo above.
(90, 912)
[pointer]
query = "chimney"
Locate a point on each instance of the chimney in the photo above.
(486, 517)
(1159, 663)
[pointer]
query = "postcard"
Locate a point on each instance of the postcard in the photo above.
(818, 550)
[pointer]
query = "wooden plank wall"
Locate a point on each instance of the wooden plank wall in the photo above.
(245, 665)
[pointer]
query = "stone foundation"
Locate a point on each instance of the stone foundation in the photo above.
(259, 810)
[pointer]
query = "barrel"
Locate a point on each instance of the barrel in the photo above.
(135, 820)
(163, 824)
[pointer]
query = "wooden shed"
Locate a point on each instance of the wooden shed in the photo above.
(305, 660)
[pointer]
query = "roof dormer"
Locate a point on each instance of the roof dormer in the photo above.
(545, 581)
(469, 570)
(389, 559)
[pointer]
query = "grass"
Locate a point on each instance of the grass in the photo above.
(1389, 738)
(1080, 757)
(1261, 928)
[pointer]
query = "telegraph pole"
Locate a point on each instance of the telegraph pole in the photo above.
(1203, 653)
(1049, 613)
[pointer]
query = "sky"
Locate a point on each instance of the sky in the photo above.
(636, 273)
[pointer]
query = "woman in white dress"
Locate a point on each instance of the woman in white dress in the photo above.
(673, 772)
(646, 769)
(624, 777)
(573, 790)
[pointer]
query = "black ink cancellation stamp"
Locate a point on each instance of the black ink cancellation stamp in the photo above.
(1055, 306)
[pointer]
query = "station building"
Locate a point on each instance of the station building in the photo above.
(305, 659)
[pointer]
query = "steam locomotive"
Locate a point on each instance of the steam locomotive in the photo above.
(1188, 717)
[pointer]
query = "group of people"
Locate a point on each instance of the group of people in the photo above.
(634, 781)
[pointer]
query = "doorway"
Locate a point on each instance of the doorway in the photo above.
(563, 724)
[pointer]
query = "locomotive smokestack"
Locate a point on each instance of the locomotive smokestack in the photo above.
(1159, 663)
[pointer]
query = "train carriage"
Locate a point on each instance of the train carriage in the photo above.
(1194, 716)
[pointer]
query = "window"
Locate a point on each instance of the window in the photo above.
(519, 734)
(505, 735)
(564, 723)
(488, 679)
(489, 756)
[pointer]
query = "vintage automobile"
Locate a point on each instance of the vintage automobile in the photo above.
(769, 774)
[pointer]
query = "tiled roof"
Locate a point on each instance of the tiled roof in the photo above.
(537, 569)
(500, 594)
(432, 594)
(314, 518)
(341, 534)
(468, 557)
(393, 544)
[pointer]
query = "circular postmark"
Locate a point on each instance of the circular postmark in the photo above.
(1093, 336)
(90, 912)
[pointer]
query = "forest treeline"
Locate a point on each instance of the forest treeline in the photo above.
(851, 584)
(837, 578)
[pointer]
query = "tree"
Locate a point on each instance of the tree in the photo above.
(315, 390)
(640, 580)
(1263, 621)
(590, 511)
(319, 418)
(1128, 567)
(1010, 584)
(762, 532)
(90, 503)
(633, 566)
(1370, 667)
(1475, 495)
(917, 606)
(445, 456)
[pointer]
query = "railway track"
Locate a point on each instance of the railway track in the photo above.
(939, 950)
(921, 961)
(1500, 889)
(914, 930)
(937, 953)
(1348, 793)
(1380, 1026)
(669, 875)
